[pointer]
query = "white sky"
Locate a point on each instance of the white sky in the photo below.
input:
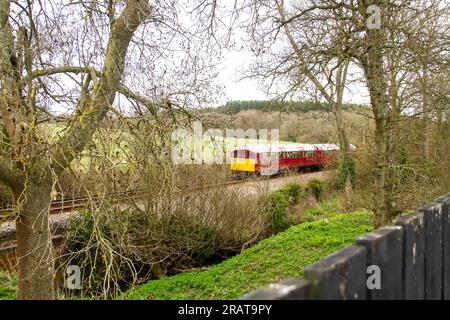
(231, 73)
(235, 62)
(248, 89)
(235, 88)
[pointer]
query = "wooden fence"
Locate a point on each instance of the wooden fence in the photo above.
(411, 260)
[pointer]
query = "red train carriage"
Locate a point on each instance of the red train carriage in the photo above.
(264, 158)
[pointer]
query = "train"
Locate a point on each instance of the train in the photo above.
(268, 159)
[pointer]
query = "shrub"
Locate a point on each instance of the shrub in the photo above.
(136, 245)
(317, 188)
(127, 244)
(277, 213)
(346, 170)
(294, 192)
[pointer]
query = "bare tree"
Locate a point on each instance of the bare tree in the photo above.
(376, 37)
(383, 51)
(290, 43)
(30, 169)
(80, 56)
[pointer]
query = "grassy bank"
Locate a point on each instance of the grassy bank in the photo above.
(283, 255)
(8, 286)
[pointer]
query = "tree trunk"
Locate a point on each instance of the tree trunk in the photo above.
(347, 179)
(393, 137)
(34, 245)
(381, 186)
(345, 146)
(374, 70)
(426, 116)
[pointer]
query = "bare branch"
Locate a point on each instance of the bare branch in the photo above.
(102, 97)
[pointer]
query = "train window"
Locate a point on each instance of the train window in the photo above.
(235, 154)
(251, 155)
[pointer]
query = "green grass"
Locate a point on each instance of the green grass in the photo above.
(8, 286)
(283, 255)
(324, 210)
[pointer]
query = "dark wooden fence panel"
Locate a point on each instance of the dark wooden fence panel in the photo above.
(384, 250)
(433, 250)
(340, 276)
(445, 201)
(413, 255)
(288, 289)
(413, 258)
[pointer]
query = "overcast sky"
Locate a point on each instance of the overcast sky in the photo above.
(231, 71)
(248, 89)
(235, 62)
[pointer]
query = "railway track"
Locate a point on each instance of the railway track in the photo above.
(71, 204)
(61, 210)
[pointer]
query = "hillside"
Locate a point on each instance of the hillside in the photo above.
(301, 127)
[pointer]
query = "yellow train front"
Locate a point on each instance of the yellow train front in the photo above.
(243, 160)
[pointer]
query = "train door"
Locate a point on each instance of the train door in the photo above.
(318, 156)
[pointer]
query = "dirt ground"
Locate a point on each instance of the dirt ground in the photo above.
(272, 184)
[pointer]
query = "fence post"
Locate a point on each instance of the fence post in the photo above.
(339, 276)
(287, 289)
(413, 255)
(433, 250)
(445, 201)
(384, 251)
